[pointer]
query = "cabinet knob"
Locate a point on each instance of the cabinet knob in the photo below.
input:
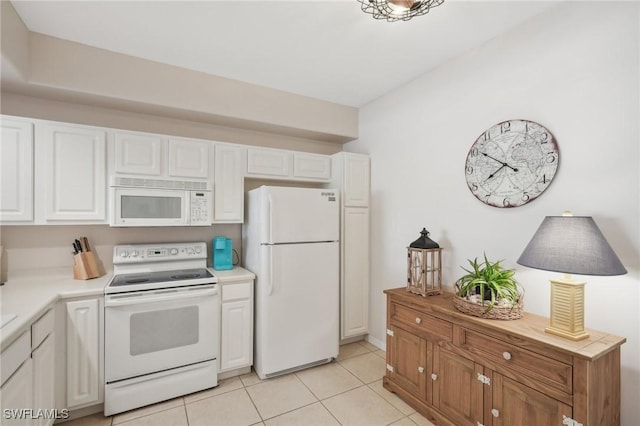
(506, 355)
(418, 320)
(434, 376)
(420, 369)
(495, 413)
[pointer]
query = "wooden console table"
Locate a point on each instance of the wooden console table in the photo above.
(460, 370)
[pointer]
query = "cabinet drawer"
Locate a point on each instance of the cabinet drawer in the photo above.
(421, 322)
(509, 358)
(14, 355)
(236, 291)
(41, 329)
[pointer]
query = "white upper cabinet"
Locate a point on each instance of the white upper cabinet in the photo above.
(228, 184)
(75, 176)
(137, 154)
(352, 174)
(311, 166)
(288, 165)
(268, 162)
(188, 158)
(16, 170)
(152, 155)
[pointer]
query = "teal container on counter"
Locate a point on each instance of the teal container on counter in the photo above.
(222, 248)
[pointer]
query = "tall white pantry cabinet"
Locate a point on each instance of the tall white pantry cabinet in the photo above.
(351, 173)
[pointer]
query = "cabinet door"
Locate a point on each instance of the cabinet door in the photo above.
(268, 162)
(407, 354)
(228, 191)
(188, 158)
(236, 340)
(44, 378)
(16, 170)
(311, 166)
(17, 394)
(515, 404)
(75, 160)
(356, 180)
(138, 154)
(83, 358)
(354, 286)
(457, 392)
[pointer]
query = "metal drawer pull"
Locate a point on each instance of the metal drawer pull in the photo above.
(506, 355)
(418, 320)
(495, 413)
(434, 376)
(420, 370)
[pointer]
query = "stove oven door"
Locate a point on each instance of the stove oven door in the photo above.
(151, 331)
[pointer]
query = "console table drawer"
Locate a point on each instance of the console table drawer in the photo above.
(540, 368)
(421, 322)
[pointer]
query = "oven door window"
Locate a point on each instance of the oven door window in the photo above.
(161, 330)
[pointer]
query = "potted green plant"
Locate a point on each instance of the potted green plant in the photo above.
(487, 286)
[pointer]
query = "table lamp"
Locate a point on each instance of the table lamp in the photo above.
(571, 245)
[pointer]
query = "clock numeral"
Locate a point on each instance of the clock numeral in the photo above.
(526, 126)
(506, 202)
(487, 135)
(551, 158)
(474, 187)
(505, 127)
(474, 152)
(525, 197)
(544, 138)
(469, 170)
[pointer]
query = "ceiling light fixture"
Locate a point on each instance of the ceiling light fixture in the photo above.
(397, 10)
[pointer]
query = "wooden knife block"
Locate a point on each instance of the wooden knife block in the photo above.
(84, 266)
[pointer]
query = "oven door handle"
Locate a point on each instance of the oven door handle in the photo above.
(159, 296)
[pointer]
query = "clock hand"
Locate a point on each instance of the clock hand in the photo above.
(496, 172)
(501, 162)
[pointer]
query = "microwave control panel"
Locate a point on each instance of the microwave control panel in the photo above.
(200, 201)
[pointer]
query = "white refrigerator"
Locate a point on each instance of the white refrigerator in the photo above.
(290, 241)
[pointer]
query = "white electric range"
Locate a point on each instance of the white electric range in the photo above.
(161, 325)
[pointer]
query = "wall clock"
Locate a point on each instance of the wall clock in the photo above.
(512, 163)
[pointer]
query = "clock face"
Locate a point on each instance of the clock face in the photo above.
(512, 163)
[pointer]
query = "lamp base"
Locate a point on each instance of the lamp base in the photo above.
(567, 309)
(566, 334)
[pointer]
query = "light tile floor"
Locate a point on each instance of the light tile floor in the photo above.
(348, 392)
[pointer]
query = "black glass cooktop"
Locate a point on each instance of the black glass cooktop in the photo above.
(160, 277)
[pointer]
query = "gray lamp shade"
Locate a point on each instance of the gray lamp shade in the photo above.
(571, 245)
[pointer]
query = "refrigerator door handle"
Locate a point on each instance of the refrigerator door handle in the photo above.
(270, 218)
(271, 271)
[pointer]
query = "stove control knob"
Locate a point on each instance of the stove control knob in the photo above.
(198, 250)
(173, 251)
(134, 253)
(124, 254)
(190, 250)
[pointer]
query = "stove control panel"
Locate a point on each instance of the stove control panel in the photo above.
(142, 253)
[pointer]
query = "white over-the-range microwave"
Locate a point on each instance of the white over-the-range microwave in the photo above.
(158, 202)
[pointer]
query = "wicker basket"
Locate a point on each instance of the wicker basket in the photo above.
(498, 312)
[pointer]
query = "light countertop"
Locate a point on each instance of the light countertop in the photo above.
(28, 294)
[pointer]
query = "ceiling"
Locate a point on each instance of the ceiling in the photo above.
(328, 50)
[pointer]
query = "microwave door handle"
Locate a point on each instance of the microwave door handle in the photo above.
(160, 296)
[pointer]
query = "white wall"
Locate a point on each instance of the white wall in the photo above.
(576, 71)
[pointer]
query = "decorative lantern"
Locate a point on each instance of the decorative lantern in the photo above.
(424, 266)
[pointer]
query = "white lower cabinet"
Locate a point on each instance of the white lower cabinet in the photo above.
(236, 324)
(44, 379)
(354, 283)
(16, 394)
(85, 336)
